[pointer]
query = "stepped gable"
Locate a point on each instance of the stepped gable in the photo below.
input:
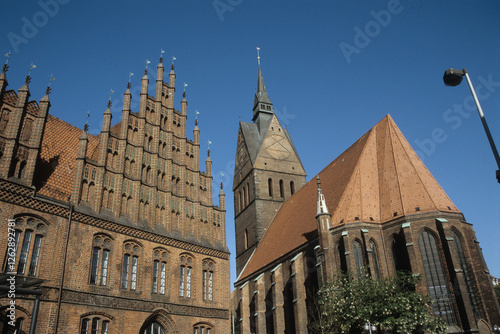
(377, 179)
(57, 158)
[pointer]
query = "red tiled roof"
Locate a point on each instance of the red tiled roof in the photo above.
(58, 156)
(378, 178)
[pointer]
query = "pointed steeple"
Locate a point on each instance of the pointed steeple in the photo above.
(261, 103)
(321, 205)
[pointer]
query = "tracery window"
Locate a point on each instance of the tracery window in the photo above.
(435, 277)
(358, 259)
(375, 270)
(94, 325)
(185, 276)
(208, 274)
(159, 271)
(100, 260)
(130, 266)
(28, 233)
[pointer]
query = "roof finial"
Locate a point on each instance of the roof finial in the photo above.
(173, 59)
(221, 174)
(161, 55)
(209, 143)
(31, 67)
(109, 101)
(258, 55)
(196, 113)
(146, 70)
(6, 66)
(51, 78)
(86, 126)
(130, 74)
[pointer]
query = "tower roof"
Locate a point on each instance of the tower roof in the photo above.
(261, 102)
(377, 179)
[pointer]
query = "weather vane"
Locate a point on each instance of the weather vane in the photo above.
(161, 55)
(130, 76)
(221, 174)
(196, 114)
(6, 66)
(258, 55)
(173, 59)
(185, 85)
(109, 101)
(51, 78)
(86, 127)
(209, 143)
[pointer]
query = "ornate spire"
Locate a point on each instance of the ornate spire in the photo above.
(322, 209)
(261, 103)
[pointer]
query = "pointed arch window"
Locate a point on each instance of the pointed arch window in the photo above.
(470, 282)
(270, 187)
(282, 190)
(154, 328)
(435, 277)
(207, 275)
(159, 271)
(100, 260)
(358, 259)
(185, 276)
(375, 270)
(130, 266)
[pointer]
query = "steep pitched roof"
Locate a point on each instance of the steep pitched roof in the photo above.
(57, 158)
(378, 178)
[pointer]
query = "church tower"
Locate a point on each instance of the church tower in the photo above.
(268, 170)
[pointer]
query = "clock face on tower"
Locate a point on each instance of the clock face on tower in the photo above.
(277, 146)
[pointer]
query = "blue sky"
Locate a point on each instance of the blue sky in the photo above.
(333, 69)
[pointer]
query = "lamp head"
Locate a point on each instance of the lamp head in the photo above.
(453, 77)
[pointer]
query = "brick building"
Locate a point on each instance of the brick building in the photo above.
(117, 231)
(373, 210)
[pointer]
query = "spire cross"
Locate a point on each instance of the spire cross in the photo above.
(6, 66)
(31, 66)
(109, 101)
(86, 127)
(258, 55)
(51, 78)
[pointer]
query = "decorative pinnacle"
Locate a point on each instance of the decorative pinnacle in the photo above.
(221, 186)
(196, 122)
(47, 90)
(208, 153)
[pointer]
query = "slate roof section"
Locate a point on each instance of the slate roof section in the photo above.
(377, 179)
(57, 158)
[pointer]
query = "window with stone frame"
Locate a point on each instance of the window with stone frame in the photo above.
(359, 263)
(160, 256)
(436, 278)
(101, 250)
(94, 324)
(130, 265)
(154, 328)
(372, 253)
(203, 328)
(28, 235)
(186, 268)
(208, 280)
(4, 119)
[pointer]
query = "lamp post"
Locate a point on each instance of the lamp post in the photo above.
(370, 328)
(453, 78)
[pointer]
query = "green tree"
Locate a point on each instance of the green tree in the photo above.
(346, 304)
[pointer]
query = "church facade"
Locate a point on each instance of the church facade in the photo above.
(374, 210)
(113, 233)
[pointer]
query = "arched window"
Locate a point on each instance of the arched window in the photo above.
(247, 195)
(358, 259)
(375, 270)
(240, 204)
(292, 188)
(27, 253)
(154, 328)
(202, 328)
(470, 282)
(185, 276)
(94, 325)
(400, 254)
(100, 260)
(435, 277)
(208, 280)
(130, 265)
(282, 189)
(159, 271)
(246, 238)
(245, 202)
(4, 119)
(270, 187)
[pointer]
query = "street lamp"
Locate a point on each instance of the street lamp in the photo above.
(453, 78)
(370, 328)
(496, 329)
